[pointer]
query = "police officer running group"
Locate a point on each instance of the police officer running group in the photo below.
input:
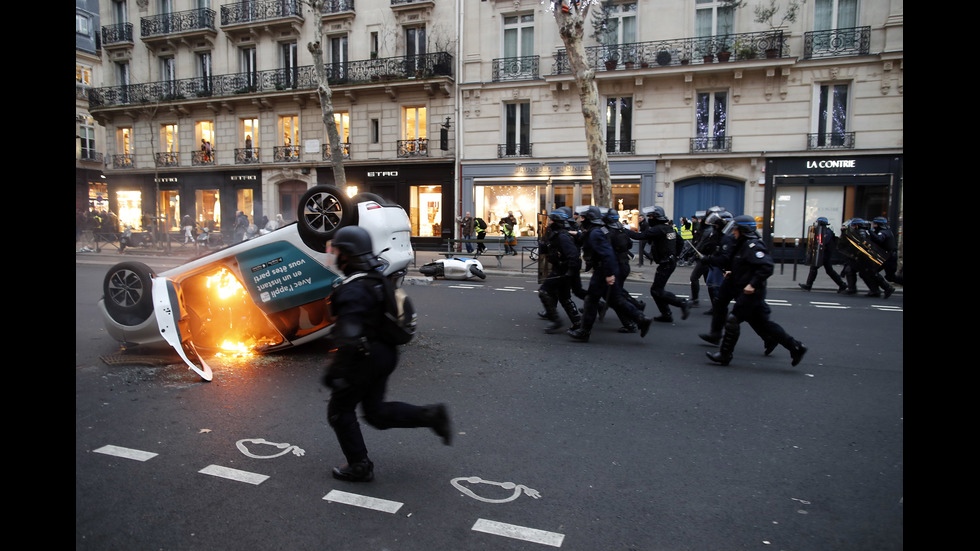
(564, 260)
(665, 246)
(362, 359)
(822, 249)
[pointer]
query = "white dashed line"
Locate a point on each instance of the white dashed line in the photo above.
(366, 502)
(775, 302)
(234, 474)
(125, 453)
(532, 535)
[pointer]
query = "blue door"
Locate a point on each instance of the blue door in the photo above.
(697, 194)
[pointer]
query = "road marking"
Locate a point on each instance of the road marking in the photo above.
(885, 308)
(836, 305)
(126, 453)
(465, 287)
(777, 302)
(234, 474)
(366, 502)
(532, 535)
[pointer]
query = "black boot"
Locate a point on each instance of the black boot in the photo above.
(579, 334)
(713, 338)
(728, 341)
(362, 471)
(628, 328)
(805, 287)
(644, 326)
(685, 309)
(553, 327)
(437, 418)
(797, 352)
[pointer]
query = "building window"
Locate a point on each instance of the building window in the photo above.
(415, 141)
(517, 129)
(831, 117)
(204, 73)
(342, 120)
(621, 25)
(207, 207)
(711, 120)
(168, 76)
(375, 131)
(249, 69)
(518, 35)
(249, 153)
(289, 62)
(619, 125)
(83, 75)
(414, 48)
(337, 68)
(714, 17)
(204, 132)
(82, 25)
(426, 211)
(830, 15)
(86, 133)
(289, 138)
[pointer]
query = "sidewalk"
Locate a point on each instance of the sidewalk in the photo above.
(785, 276)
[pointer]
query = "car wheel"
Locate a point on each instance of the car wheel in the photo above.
(477, 272)
(127, 292)
(322, 211)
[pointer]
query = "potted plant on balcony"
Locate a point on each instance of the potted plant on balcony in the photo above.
(609, 50)
(724, 50)
(768, 14)
(745, 49)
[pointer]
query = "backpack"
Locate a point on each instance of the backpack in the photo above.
(398, 324)
(480, 224)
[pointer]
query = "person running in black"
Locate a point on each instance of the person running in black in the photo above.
(363, 360)
(751, 266)
(665, 244)
(823, 250)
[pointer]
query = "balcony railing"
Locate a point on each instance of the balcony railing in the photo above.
(337, 6)
(91, 156)
(167, 159)
(717, 144)
(506, 150)
(285, 154)
(178, 22)
(832, 140)
(297, 78)
(248, 12)
(837, 43)
(246, 155)
(621, 147)
(516, 68)
(413, 148)
(124, 160)
(682, 51)
(325, 151)
(203, 158)
(116, 35)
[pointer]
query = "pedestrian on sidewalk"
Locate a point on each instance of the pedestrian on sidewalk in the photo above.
(466, 225)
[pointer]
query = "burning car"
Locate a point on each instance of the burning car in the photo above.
(261, 295)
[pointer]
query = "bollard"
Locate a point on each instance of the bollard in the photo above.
(796, 257)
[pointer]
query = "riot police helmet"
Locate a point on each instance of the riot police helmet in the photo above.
(745, 224)
(881, 221)
(561, 215)
(611, 218)
(354, 251)
(593, 215)
(822, 221)
(656, 215)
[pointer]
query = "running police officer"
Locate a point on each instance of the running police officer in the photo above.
(885, 238)
(664, 247)
(621, 244)
(558, 246)
(751, 266)
(362, 360)
(823, 250)
(605, 272)
(709, 240)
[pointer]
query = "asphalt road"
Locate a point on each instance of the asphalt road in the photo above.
(622, 443)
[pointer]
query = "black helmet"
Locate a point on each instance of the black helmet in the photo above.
(560, 214)
(352, 246)
(611, 218)
(593, 215)
(655, 214)
(881, 221)
(745, 224)
(718, 218)
(822, 221)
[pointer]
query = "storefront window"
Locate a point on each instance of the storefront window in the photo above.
(130, 207)
(246, 204)
(169, 210)
(496, 201)
(207, 207)
(797, 207)
(98, 196)
(626, 200)
(426, 211)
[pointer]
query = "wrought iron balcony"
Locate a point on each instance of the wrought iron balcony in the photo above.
(395, 4)
(682, 51)
(124, 160)
(267, 10)
(285, 154)
(413, 148)
(837, 43)
(203, 158)
(246, 155)
(362, 72)
(506, 150)
(325, 151)
(167, 159)
(178, 22)
(621, 147)
(337, 6)
(91, 156)
(716, 144)
(120, 34)
(516, 68)
(830, 140)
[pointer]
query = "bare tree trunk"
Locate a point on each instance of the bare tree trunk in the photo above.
(335, 145)
(571, 27)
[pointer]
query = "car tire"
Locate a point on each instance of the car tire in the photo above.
(322, 211)
(477, 272)
(127, 292)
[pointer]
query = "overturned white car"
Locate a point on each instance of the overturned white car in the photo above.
(261, 295)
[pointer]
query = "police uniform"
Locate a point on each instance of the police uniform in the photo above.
(751, 266)
(621, 244)
(664, 246)
(605, 267)
(885, 238)
(824, 250)
(559, 248)
(362, 360)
